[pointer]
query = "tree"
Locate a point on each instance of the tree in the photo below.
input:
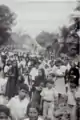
(76, 17)
(7, 18)
(64, 32)
(71, 41)
(78, 5)
(45, 39)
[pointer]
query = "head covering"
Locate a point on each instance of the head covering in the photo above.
(5, 110)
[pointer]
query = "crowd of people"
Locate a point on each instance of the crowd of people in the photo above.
(28, 88)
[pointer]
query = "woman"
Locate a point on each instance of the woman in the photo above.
(37, 87)
(12, 80)
(20, 80)
(40, 78)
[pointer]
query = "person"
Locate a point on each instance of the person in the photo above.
(23, 64)
(71, 102)
(40, 78)
(1, 64)
(34, 71)
(74, 74)
(3, 58)
(18, 104)
(3, 82)
(4, 113)
(11, 86)
(62, 110)
(48, 96)
(33, 112)
(66, 80)
(6, 68)
(75, 113)
(38, 85)
(20, 80)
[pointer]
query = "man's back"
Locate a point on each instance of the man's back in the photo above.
(18, 107)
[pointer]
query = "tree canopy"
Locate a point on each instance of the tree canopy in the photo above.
(46, 39)
(7, 18)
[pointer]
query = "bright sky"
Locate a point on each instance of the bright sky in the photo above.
(33, 16)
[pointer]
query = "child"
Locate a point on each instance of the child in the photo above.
(62, 112)
(18, 104)
(75, 113)
(4, 113)
(33, 112)
(71, 95)
(48, 95)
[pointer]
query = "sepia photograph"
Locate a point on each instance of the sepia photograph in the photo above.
(39, 59)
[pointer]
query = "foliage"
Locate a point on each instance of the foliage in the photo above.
(46, 39)
(64, 32)
(6, 21)
(71, 42)
(78, 6)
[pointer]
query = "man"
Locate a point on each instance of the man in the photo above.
(18, 104)
(74, 74)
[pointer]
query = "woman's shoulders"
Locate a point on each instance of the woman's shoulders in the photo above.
(39, 118)
(26, 119)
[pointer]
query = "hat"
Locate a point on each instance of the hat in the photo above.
(5, 110)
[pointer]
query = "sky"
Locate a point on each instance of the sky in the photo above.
(34, 16)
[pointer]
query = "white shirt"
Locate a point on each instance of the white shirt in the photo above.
(49, 94)
(77, 95)
(54, 69)
(18, 108)
(63, 68)
(1, 64)
(3, 83)
(23, 63)
(3, 100)
(68, 66)
(6, 68)
(34, 73)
